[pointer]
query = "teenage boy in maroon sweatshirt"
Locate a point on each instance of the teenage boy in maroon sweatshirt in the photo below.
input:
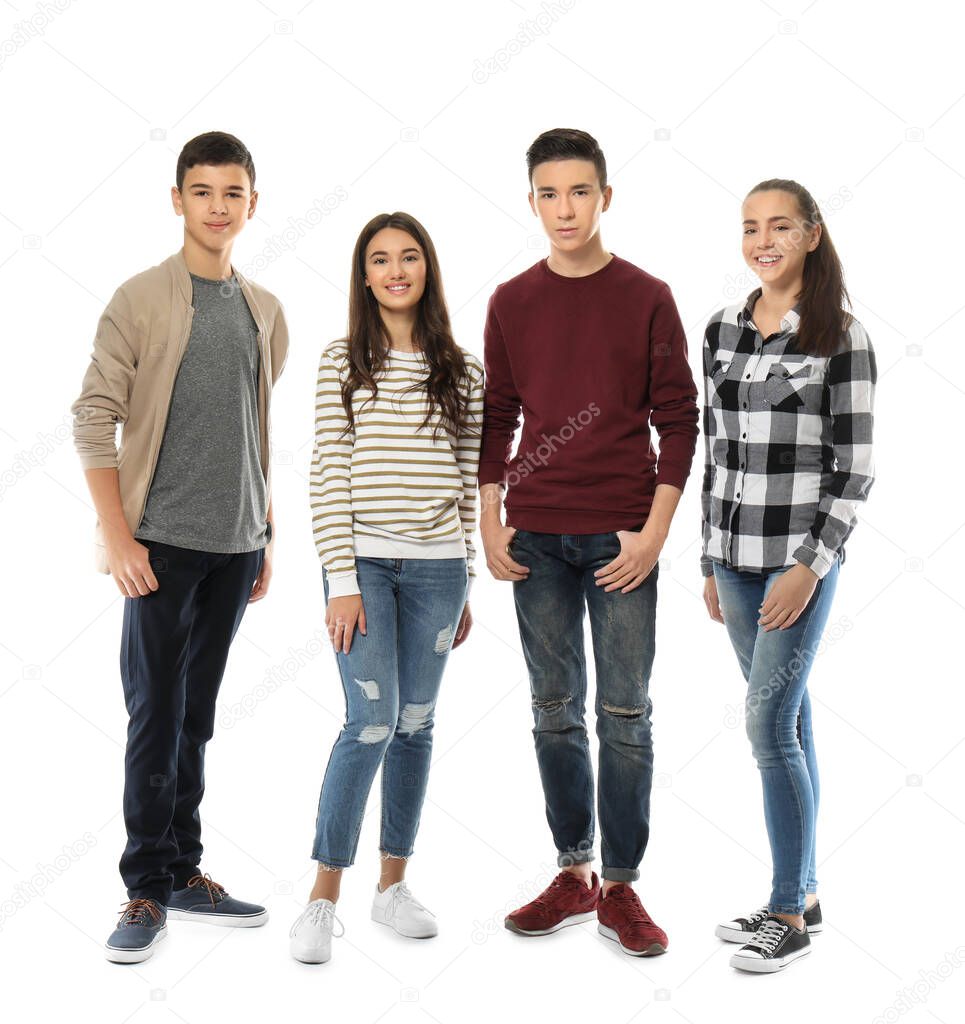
(593, 349)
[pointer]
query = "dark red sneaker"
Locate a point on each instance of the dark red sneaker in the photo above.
(566, 900)
(623, 919)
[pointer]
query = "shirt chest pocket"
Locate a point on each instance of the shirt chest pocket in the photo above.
(723, 390)
(787, 384)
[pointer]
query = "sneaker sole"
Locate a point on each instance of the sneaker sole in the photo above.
(590, 915)
(732, 935)
(134, 956)
(304, 959)
(405, 934)
(224, 920)
(757, 966)
(654, 949)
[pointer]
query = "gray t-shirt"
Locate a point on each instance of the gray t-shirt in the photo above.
(208, 491)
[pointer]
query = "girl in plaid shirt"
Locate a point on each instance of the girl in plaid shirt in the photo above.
(788, 406)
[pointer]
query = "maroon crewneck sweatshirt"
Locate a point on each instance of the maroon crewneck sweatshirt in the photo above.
(591, 362)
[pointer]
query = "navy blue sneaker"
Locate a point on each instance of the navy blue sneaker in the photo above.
(140, 929)
(202, 899)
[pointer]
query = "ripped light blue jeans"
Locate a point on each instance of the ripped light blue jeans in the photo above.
(391, 680)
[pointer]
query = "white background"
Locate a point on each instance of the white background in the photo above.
(391, 106)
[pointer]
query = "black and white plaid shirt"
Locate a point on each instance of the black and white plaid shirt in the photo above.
(787, 444)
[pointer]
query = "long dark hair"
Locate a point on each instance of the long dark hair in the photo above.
(368, 339)
(821, 304)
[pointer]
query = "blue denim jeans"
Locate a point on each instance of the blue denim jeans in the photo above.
(550, 605)
(391, 680)
(776, 665)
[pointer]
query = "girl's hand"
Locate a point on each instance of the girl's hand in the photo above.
(787, 598)
(711, 600)
(465, 624)
(342, 614)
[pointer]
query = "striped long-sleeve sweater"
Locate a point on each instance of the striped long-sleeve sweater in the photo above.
(387, 489)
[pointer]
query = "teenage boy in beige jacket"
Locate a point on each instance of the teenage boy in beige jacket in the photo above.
(185, 357)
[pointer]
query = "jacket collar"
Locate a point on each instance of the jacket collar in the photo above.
(789, 322)
(182, 280)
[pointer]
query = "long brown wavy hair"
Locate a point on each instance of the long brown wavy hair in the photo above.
(368, 339)
(821, 303)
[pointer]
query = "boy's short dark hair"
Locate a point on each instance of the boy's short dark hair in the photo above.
(217, 149)
(566, 144)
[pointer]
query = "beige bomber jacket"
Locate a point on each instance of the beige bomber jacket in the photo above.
(140, 340)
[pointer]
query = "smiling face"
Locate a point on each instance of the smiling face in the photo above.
(395, 269)
(776, 238)
(568, 200)
(215, 202)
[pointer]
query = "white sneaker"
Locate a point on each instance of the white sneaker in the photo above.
(311, 934)
(399, 909)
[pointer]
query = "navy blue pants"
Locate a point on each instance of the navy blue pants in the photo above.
(174, 648)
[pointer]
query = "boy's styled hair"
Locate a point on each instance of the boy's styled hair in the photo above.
(566, 144)
(217, 149)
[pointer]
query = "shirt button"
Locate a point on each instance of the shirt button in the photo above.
(743, 436)
(743, 405)
(738, 494)
(747, 376)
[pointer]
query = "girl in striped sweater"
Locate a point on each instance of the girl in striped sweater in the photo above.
(398, 414)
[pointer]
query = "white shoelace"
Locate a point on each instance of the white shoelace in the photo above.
(768, 935)
(401, 894)
(319, 915)
(753, 920)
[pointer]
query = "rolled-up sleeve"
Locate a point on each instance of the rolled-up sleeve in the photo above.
(105, 393)
(851, 376)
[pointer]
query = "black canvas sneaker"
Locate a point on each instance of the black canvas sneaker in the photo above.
(775, 945)
(741, 929)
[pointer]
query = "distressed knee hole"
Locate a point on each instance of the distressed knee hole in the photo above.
(443, 639)
(369, 687)
(551, 704)
(634, 712)
(373, 734)
(414, 717)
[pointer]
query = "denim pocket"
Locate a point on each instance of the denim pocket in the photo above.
(509, 546)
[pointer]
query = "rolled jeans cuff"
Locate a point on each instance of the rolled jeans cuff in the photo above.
(620, 874)
(786, 909)
(571, 857)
